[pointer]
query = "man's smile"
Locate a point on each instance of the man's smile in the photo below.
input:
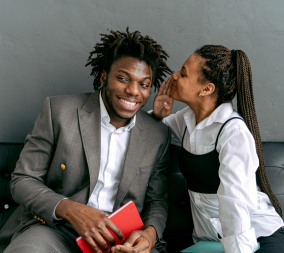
(127, 102)
(128, 105)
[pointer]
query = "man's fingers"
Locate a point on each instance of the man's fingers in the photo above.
(132, 238)
(115, 229)
(108, 236)
(140, 246)
(101, 241)
(93, 244)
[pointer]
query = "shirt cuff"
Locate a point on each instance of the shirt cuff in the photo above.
(242, 243)
(53, 215)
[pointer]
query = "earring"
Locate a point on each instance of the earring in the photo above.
(199, 94)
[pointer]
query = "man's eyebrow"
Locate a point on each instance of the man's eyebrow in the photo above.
(125, 72)
(183, 67)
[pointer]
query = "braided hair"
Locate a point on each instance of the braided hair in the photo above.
(230, 72)
(118, 44)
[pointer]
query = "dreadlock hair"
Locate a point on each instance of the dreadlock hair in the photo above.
(230, 72)
(118, 44)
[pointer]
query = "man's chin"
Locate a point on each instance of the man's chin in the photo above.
(126, 118)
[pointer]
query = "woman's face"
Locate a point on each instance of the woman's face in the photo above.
(185, 86)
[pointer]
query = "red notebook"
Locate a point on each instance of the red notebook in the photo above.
(126, 218)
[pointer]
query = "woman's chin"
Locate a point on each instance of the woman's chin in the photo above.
(173, 94)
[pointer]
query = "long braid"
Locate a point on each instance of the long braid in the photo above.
(230, 72)
(246, 109)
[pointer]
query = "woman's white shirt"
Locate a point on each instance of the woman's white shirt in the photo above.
(239, 212)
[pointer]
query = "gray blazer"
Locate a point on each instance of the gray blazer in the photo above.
(68, 132)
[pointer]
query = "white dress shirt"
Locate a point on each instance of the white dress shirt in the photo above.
(114, 144)
(239, 212)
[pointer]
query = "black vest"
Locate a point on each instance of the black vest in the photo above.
(201, 171)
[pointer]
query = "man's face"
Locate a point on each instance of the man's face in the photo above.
(127, 87)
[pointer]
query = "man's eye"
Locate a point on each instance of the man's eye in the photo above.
(182, 75)
(122, 79)
(144, 85)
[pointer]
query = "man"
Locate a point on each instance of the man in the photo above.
(89, 154)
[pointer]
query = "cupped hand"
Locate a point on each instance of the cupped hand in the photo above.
(163, 103)
(90, 223)
(140, 241)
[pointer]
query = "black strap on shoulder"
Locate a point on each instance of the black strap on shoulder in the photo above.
(183, 135)
(223, 127)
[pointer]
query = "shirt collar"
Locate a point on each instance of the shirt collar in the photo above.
(106, 119)
(220, 114)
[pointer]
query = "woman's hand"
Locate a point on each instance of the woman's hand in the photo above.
(163, 103)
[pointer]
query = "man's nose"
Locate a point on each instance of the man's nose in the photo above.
(132, 88)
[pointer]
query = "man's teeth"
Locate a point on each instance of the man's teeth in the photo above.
(127, 102)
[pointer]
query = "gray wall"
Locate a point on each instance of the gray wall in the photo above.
(44, 46)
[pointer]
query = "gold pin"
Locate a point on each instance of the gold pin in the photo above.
(63, 166)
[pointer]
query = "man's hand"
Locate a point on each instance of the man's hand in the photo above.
(90, 223)
(140, 241)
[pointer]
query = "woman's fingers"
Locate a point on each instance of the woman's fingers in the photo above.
(161, 88)
(169, 87)
(165, 90)
(167, 106)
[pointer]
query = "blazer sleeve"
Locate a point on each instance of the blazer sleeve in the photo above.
(28, 180)
(155, 209)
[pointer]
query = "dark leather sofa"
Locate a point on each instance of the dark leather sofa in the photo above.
(179, 224)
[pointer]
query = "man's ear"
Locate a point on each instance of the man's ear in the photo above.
(103, 78)
(208, 89)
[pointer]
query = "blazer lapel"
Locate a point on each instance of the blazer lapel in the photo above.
(90, 128)
(135, 151)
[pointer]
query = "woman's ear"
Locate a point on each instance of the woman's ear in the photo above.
(208, 89)
(103, 78)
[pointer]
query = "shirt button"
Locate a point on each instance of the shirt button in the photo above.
(6, 206)
(63, 166)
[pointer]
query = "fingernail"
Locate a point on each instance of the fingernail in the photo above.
(165, 103)
(127, 244)
(118, 247)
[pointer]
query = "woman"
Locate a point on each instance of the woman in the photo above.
(221, 156)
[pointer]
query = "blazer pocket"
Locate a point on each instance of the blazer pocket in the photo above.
(146, 169)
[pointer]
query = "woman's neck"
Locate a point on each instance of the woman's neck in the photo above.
(203, 109)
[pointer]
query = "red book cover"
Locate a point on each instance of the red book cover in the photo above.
(126, 218)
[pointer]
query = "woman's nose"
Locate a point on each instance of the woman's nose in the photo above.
(175, 75)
